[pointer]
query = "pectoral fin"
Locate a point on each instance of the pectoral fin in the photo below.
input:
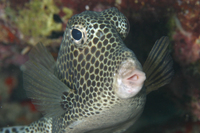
(158, 66)
(41, 85)
(42, 56)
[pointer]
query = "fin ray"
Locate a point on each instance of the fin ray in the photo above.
(41, 85)
(41, 55)
(158, 66)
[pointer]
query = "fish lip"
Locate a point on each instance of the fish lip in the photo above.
(131, 76)
(129, 79)
(126, 67)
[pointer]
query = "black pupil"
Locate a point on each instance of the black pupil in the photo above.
(76, 34)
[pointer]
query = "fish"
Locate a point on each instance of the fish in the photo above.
(97, 84)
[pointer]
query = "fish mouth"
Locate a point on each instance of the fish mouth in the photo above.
(133, 77)
(129, 79)
(134, 80)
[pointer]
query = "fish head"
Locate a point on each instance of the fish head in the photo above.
(94, 60)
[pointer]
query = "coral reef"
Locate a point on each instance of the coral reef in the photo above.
(36, 18)
(187, 35)
(24, 23)
(186, 39)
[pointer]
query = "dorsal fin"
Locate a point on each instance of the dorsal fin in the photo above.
(158, 66)
(41, 85)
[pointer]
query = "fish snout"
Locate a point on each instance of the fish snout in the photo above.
(129, 79)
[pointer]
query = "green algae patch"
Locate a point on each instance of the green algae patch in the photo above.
(36, 18)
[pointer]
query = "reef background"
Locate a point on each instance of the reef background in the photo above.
(174, 108)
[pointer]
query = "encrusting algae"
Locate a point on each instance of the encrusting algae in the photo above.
(38, 18)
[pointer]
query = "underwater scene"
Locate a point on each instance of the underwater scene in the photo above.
(168, 103)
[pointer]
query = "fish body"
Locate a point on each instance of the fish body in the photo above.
(97, 85)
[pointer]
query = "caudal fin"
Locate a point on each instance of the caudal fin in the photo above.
(158, 66)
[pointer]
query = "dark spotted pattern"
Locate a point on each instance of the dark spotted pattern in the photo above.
(42, 126)
(88, 66)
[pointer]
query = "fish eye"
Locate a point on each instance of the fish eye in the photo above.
(76, 34)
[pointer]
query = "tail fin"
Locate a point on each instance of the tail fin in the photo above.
(158, 66)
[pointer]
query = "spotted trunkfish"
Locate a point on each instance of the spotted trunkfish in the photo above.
(97, 85)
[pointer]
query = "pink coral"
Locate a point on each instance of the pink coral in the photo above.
(187, 36)
(186, 48)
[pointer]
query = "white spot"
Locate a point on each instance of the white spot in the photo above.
(179, 26)
(87, 7)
